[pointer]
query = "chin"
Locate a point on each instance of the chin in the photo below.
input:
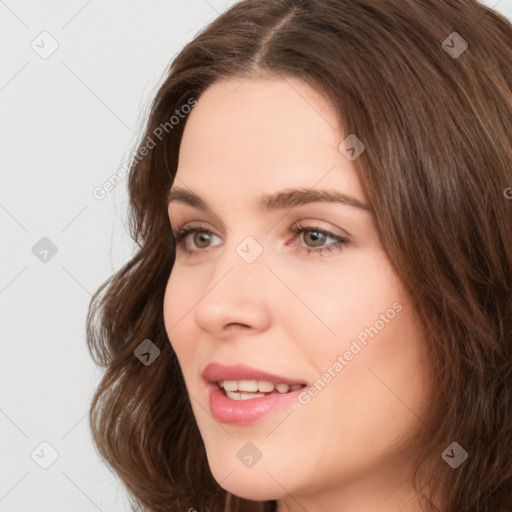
(249, 483)
(251, 488)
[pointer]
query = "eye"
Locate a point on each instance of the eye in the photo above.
(182, 234)
(315, 236)
(318, 237)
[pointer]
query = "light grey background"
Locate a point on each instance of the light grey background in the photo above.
(68, 122)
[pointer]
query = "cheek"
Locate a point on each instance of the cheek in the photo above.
(384, 381)
(377, 354)
(349, 300)
(178, 301)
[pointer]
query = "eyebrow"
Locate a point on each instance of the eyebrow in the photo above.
(276, 201)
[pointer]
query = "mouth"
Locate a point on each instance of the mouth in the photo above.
(243, 395)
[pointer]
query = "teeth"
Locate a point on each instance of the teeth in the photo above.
(234, 395)
(253, 386)
(265, 386)
(248, 385)
(230, 385)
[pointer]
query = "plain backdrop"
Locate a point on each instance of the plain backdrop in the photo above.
(76, 78)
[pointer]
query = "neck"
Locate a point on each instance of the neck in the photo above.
(377, 495)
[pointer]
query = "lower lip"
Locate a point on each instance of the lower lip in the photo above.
(244, 412)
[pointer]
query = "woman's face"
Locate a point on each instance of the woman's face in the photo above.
(322, 307)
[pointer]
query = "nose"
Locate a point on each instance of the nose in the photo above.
(237, 297)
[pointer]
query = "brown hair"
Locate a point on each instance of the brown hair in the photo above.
(437, 129)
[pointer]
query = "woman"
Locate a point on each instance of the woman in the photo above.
(319, 315)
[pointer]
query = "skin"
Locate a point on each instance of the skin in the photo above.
(351, 448)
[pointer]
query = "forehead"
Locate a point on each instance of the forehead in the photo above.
(256, 135)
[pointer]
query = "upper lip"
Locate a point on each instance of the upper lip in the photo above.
(213, 372)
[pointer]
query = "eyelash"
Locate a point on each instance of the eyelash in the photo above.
(341, 242)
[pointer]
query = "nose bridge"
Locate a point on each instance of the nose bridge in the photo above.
(245, 261)
(246, 237)
(250, 250)
(235, 293)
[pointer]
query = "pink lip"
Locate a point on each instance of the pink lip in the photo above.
(243, 412)
(214, 372)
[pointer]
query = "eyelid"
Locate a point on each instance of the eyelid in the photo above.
(301, 212)
(318, 224)
(192, 225)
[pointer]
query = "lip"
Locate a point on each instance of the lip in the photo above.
(244, 412)
(214, 372)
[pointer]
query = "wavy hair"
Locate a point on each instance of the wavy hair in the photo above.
(436, 119)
